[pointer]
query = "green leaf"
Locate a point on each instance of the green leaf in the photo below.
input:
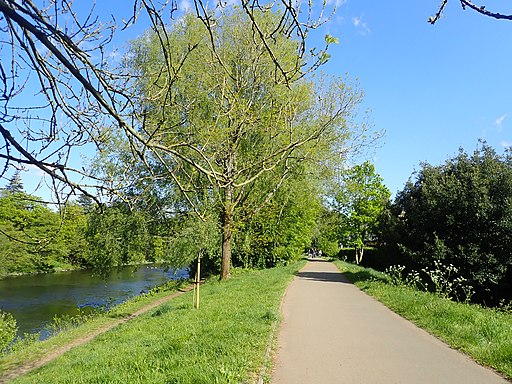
(331, 39)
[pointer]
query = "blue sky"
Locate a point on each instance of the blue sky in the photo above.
(433, 89)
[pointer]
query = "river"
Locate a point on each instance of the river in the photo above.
(34, 300)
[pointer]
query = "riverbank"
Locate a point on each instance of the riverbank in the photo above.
(224, 341)
(71, 268)
(28, 353)
(35, 273)
(60, 296)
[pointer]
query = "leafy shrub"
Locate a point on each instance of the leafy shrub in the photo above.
(459, 212)
(22, 342)
(8, 329)
(328, 248)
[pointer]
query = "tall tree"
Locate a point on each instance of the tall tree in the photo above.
(29, 238)
(116, 236)
(63, 56)
(15, 184)
(60, 60)
(237, 131)
(360, 201)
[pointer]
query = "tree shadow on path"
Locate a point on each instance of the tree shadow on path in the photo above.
(346, 277)
(326, 277)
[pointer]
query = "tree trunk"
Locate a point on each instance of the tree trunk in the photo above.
(359, 255)
(227, 232)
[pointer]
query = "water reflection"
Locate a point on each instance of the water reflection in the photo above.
(34, 300)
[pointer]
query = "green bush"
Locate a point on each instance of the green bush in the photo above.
(460, 213)
(328, 248)
(8, 329)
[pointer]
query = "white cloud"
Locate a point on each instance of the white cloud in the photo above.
(33, 171)
(361, 25)
(506, 144)
(185, 5)
(336, 3)
(499, 122)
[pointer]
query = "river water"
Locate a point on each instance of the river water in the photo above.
(34, 300)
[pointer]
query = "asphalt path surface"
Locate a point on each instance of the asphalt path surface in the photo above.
(334, 333)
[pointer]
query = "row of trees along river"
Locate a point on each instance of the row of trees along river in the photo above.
(229, 163)
(245, 163)
(91, 243)
(36, 240)
(421, 230)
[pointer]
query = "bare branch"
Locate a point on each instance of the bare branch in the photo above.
(466, 3)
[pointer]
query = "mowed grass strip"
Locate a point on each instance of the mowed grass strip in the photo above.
(485, 334)
(223, 342)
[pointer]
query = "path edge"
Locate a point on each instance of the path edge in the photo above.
(267, 359)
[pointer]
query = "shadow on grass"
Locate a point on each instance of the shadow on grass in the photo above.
(362, 276)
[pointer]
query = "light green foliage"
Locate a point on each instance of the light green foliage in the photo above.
(8, 330)
(237, 130)
(326, 234)
(360, 201)
(66, 322)
(194, 238)
(224, 342)
(328, 247)
(331, 39)
(35, 238)
(283, 229)
(72, 234)
(116, 236)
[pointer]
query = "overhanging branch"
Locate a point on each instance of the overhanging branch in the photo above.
(482, 9)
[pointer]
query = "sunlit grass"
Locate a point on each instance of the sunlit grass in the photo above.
(485, 334)
(222, 342)
(32, 349)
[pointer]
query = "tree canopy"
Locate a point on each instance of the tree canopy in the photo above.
(60, 59)
(459, 213)
(34, 238)
(360, 200)
(228, 138)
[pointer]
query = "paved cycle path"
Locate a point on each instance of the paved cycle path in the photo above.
(334, 333)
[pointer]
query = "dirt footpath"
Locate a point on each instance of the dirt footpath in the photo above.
(334, 333)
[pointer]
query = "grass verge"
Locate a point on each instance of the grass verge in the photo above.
(31, 350)
(485, 334)
(222, 342)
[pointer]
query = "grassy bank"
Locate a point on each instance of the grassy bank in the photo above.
(222, 342)
(31, 349)
(484, 334)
